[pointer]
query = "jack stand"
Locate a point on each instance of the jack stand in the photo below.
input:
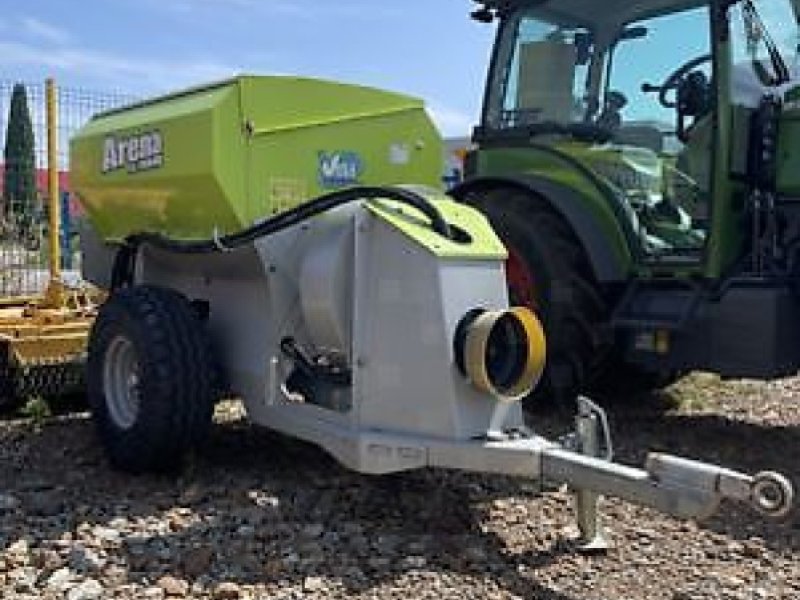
(588, 423)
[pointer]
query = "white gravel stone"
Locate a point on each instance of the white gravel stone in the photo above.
(90, 589)
(107, 535)
(313, 584)
(153, 593)
(60, 580)
(20, 547)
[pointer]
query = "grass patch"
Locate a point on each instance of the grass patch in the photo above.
(37, 409)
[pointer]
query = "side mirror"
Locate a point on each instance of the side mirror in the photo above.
(482, 15)
(633, 33)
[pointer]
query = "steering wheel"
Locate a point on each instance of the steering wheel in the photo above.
(673, 81)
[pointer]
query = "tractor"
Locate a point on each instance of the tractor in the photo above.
(636, 160)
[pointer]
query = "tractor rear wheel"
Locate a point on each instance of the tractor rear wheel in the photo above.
(150, 378)
(548, 271)
(620, 380)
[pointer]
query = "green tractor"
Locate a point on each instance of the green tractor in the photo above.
(637, 160)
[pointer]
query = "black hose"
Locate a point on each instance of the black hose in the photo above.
(124, 264)
(293, 217)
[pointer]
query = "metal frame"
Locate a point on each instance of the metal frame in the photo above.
(387, 429)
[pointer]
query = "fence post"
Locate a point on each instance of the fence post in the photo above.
(54, 292)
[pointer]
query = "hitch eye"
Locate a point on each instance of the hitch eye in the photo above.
(501, 352)
(772, 494)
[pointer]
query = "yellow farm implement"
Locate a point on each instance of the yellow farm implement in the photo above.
(43, 336)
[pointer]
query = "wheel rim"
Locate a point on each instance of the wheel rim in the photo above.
(121, 382)
(521, 283)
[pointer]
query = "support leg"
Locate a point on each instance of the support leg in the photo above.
(593, 537)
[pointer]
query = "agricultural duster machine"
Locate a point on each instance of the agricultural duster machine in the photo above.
(250, 246)
(43, 337)
(640, 162)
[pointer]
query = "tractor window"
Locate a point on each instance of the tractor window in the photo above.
(544, 74)
(661, 85)
(643, 69)
(605, 94)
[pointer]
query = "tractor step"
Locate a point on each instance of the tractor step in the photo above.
(656, 306)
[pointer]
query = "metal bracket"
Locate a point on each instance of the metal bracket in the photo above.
(218, 241)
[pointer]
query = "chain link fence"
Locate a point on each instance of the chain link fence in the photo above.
(24, 182)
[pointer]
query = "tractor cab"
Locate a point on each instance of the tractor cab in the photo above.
(627, 98)
(640, 162)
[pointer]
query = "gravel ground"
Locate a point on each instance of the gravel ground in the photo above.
(261, 516)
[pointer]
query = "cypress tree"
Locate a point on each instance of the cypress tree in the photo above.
(19, 179)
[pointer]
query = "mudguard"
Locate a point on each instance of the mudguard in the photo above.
(607, 245)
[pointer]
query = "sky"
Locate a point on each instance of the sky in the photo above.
(427, 48)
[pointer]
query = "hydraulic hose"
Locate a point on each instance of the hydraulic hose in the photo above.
(293, 217)
(126, 257)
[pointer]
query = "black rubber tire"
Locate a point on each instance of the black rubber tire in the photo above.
(176, 378)
(568, 299)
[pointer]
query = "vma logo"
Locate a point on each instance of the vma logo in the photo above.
(339, 169)
(139, 152)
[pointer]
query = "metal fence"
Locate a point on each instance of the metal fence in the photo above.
(24, 187)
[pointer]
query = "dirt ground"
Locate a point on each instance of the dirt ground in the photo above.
(261, 516)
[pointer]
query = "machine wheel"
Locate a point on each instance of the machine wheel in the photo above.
(548, 271)
(150, 378)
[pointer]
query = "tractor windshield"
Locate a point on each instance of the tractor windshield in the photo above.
(546, 68)
(606, 94)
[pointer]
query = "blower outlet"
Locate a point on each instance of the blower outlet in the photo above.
(501, 352)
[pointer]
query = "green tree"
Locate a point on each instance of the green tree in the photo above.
(19, 179)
